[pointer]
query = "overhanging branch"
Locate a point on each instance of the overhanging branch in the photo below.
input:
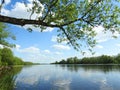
(22, 22)
(68, 37)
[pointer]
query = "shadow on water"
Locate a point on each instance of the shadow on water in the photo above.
(7, 78)
(100, 68)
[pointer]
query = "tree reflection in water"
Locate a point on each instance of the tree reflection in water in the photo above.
(7, 78)
(101, 68)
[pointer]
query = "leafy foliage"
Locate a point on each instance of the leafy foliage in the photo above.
(17, 61)
(4, 35)
(75, 19)
(7, 58)
(6, 55)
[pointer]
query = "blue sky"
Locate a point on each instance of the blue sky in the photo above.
(42, 47)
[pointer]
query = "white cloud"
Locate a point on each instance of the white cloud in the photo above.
(118, 45)
(99, 46)
(35, 54)
(19, 10)
(17, 47)
(47, 51)
(5, 12)
(103, 37)
(54, 39)
(58, 53)
(48, 29)
(31, 53)
(7, 1)
(62, 84)
(61, 47)
(30, 49)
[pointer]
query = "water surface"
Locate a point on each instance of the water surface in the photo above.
(63, 77)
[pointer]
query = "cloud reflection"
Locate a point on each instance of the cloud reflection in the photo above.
(104, 85)
(62, 84)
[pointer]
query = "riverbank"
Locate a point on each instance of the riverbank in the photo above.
(3, 69)
(103, 59)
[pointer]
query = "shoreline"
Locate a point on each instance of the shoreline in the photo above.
(4, 69)
(85, 64)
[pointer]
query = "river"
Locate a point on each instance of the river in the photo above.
(62, 77)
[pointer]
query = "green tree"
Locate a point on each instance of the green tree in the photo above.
(104, 59)
(7, 56)
(0, 56)
(28, 63)
(70, 61)
(17, 61)
(117, 59)
(75, 60)
(75, 19)
(62, 62)
(4, 35)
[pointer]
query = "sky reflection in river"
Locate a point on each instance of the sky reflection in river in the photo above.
(68, 77)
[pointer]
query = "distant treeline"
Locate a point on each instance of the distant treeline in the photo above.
(7, 58)
(104, 59)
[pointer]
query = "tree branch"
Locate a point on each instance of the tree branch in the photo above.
(67, 35)
(22, 22)
(2, 2)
